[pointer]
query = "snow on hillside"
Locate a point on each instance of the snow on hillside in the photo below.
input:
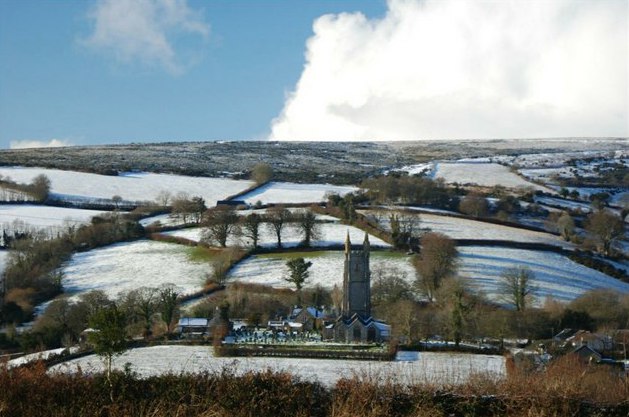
(288, 192)
(559, 159)
(162, 220)
(136, 186)
(294, 211)
(461, 228)
(127, 266)
(416, 169)
(620, 199)
(548, 174)
(563, 203)
(481, 267)
(326, 269)
(410, 367)
(4, 255)
(43, 355)
(555, 275)
(171, 220)
(331, 234)
(483, 174)
(45, 216)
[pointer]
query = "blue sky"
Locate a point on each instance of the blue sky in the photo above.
(117, 71)
(52, 86)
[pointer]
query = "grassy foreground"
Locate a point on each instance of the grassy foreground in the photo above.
(566, 388)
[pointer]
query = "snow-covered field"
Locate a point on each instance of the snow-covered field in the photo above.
(556, 159)
(480, 173)
(564, 204)
(22, 360)
(171, 220)
(162, 220)
(620, 199)
(549, 174)
(45, 216)
(410, 367)
(136, 186)
(127, 266)
(481, 267)
(416, 169)
(331, 234)
(4, 254)
(461, 228)
(292, 193)
(555, 275)
(326, 269)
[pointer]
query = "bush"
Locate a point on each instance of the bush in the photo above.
(566, 387)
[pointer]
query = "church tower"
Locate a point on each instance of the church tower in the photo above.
(357, 280)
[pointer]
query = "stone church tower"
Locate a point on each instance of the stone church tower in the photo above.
(356, 280)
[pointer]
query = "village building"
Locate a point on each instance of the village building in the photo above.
(196, 327)
(193, 327)
(356, 324)
(310, 318)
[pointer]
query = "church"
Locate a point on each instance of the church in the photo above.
(355, 323)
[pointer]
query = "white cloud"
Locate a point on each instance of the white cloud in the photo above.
(145, 31)
(27, 143)
(464, 69)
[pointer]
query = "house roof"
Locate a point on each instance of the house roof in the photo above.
(369, 321)
(312, 311)
(587, 350)
(193, 322)
(381, 326)
(586, 336)
(565, 334)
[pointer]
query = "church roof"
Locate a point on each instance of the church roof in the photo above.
(365, 321)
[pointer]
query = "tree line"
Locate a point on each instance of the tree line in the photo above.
(38, 189)
(222, 222)
(32, 276)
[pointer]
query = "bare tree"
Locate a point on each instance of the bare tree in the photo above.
(405, 230)
(403, 317)
(458, 307)
(251, 228)
(181, 206)
(277, 217)
(168, 305)
(337, 298)
(607, 227)
(389, 285)
(261, 173)
(308, 226)
(436, 262)
(517, 286)
(94, 300)
(221, 265)
(40, 187)
(474, 204)
(163, 198)
(565, 226)
(220, 222)
(116, 200)
(197, 208)
(142, 305)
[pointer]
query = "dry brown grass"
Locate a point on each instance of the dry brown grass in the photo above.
(566, 388)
